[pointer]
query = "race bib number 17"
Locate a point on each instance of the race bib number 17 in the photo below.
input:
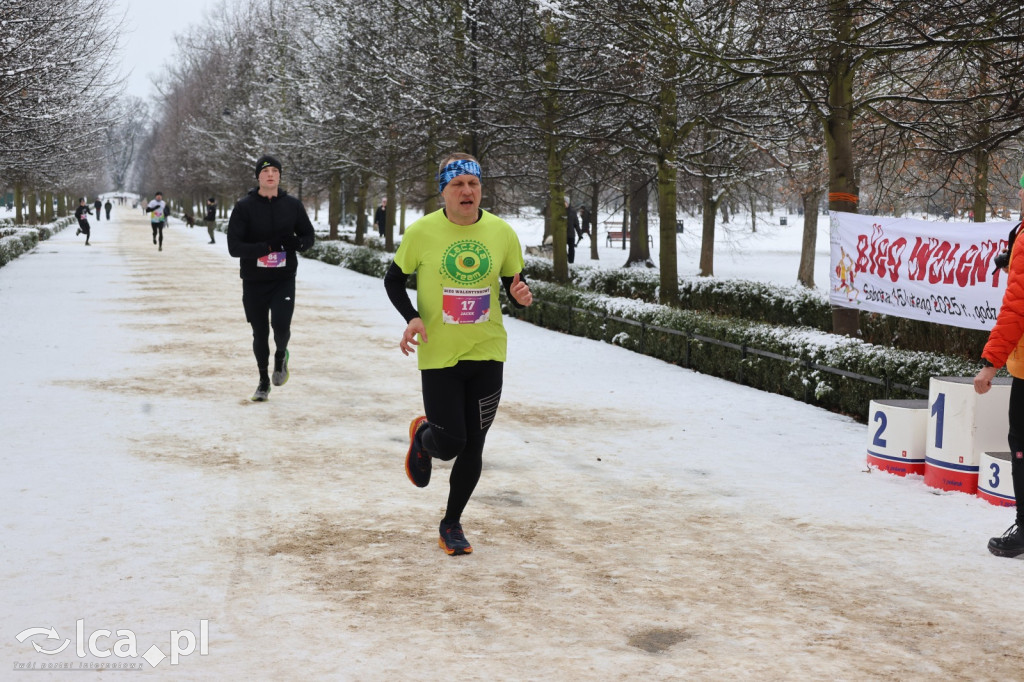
(466, 306)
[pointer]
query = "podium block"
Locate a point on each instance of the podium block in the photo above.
(995, 484)
(896, 435)
(961, 426)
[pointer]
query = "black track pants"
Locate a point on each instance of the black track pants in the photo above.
(158, 233)
(1016, 441)
(460, 403)
(274, 299)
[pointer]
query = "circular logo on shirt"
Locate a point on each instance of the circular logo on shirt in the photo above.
(466, 262)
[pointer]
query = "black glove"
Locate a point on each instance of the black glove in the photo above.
(286, 243)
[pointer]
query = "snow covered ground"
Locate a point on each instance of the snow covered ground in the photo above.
(635, 520)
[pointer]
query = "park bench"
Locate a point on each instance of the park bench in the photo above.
(613, 232)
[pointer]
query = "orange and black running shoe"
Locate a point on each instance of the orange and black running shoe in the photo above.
(417, 462)
(453, 540)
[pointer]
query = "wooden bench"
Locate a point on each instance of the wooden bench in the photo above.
(612, 234)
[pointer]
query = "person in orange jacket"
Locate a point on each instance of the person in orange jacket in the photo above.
(1005, 346)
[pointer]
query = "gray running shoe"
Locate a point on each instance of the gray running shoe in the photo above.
(280, 375)
(262, 392)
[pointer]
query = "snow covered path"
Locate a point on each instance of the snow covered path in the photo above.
(634, 520)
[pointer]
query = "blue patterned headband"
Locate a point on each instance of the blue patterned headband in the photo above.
(456, 168)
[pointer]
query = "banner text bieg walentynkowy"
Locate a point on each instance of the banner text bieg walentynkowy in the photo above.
(933, 271)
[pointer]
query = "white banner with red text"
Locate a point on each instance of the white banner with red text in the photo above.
(939, 272)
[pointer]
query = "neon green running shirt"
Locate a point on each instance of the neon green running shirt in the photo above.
(459, 270)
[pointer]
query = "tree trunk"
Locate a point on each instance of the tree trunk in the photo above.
(595, 188)
(430, 204)
(667, 131)
(710, 204)
(639, 251)
(389, 210)
(556, 188)
(334, 204)
(753, 213)
(805, 273)
(346, 181)
(33, 213)
(19, 197)
(401, 219)
(842, 186)
(838, 122)
(361, 192)
(464, 25)
(980, 202)
(981, 155)
(626, 212)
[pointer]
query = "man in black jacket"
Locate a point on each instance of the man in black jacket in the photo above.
(266, 229)
(380, 217)
(211, 217)
(572, 231)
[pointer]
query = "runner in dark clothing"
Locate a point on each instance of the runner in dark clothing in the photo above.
(97, 205)
(266, 229)
(83, 222)
(211, 218)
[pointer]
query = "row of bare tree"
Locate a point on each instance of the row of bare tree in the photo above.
(59, 75)
(669, 106)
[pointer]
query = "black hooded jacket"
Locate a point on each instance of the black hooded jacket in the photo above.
(256, 227)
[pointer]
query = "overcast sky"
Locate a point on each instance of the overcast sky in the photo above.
(148, 39)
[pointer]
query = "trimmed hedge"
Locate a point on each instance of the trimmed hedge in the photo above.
(793, 306)
(15, 241)
(771, 303)
(362, 259)
(671, 335)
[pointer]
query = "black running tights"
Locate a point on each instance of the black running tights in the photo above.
(460, 403)
(276, 299)
(1016, 441)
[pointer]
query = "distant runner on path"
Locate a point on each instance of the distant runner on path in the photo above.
(83, 222)
(157, 210)
(266, 229)
(461, 255)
